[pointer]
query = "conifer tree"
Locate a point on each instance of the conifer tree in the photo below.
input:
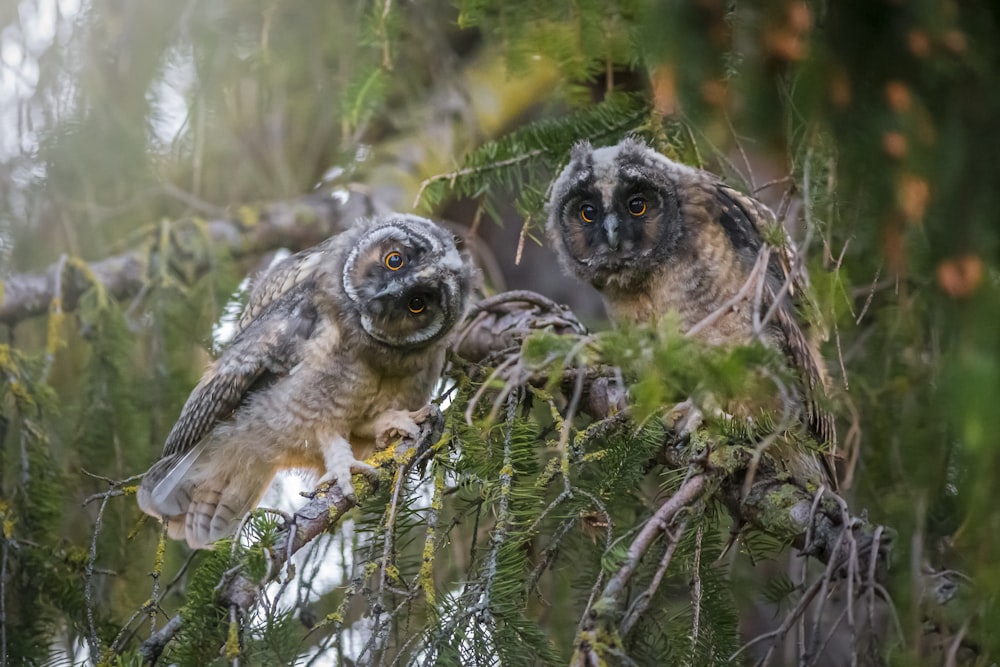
(155, 156)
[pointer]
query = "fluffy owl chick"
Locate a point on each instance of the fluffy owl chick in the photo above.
(339, 345)
(655, 236)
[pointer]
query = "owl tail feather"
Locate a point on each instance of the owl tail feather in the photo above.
(166, 489)
(205, 502)
(219, 504)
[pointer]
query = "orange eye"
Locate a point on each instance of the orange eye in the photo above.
(588, 212)
(636, 206)
(394, 261)
(416, 305)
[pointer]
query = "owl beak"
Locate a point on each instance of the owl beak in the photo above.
(611, 230)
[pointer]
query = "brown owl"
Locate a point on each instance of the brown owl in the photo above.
(339, 346)
(655, 236)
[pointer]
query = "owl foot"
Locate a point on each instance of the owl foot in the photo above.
(685, 418)
(394, 425)
(341, 464)
(342, 477)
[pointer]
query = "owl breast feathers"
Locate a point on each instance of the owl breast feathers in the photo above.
(655, 236)
(339, 345)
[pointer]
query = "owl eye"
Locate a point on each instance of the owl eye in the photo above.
(394, 261)
(416, 305)
(588, 212)
(637, 206)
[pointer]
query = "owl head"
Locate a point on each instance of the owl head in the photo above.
(406, 280)
(614, 212)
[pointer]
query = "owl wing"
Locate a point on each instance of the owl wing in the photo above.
(742, 218)
(267, 348)
(282, 277)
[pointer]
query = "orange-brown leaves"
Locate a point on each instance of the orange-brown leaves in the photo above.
(960, 276)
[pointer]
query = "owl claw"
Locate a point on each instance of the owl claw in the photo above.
(341, 464)
(394, 425)
(685, 418)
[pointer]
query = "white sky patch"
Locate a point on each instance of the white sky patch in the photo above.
(168, 96)
(225, 327)
(39, 23)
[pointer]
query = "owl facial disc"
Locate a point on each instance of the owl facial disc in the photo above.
(408, 281)
(612, 213)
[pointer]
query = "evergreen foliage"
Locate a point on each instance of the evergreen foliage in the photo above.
(531, 526)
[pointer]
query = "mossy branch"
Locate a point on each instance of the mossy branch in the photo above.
(247, 231)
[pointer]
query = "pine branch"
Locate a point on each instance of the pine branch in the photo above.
(774, 503)
(241, 592)
(599, 641)
(754, 490)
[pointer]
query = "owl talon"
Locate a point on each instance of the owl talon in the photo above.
(369, 471)
(394, 425)
(686, 418)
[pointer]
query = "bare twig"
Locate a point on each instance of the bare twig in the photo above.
(601, 619)
(696, 589)
(786, 625)
(642, 601)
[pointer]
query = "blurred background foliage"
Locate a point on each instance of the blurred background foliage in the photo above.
(871, 122)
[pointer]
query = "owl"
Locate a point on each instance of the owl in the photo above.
(338, 349)
(653, 236)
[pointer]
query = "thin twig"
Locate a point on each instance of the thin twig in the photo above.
(646, 597)
(689, 492)
(951, 658)
(453, 176)
(871, 294)
(88, 590)
(762, 258)
(778, 633)
(696, 589)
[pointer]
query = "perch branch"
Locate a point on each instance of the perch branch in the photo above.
(748, 483)
(316, 517)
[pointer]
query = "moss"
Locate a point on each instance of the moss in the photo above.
(248, 216)
(601, 642)
(232, 648)
(426, 574)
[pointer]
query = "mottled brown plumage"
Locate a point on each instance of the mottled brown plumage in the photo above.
(655, 236)
(338, 346)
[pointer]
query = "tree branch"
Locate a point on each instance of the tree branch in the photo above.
(316, 517)
(774, 503)
(248, 231)
(599, 638)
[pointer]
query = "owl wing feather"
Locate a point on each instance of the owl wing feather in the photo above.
(742, 217)
(267, 348)
(277, 280)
